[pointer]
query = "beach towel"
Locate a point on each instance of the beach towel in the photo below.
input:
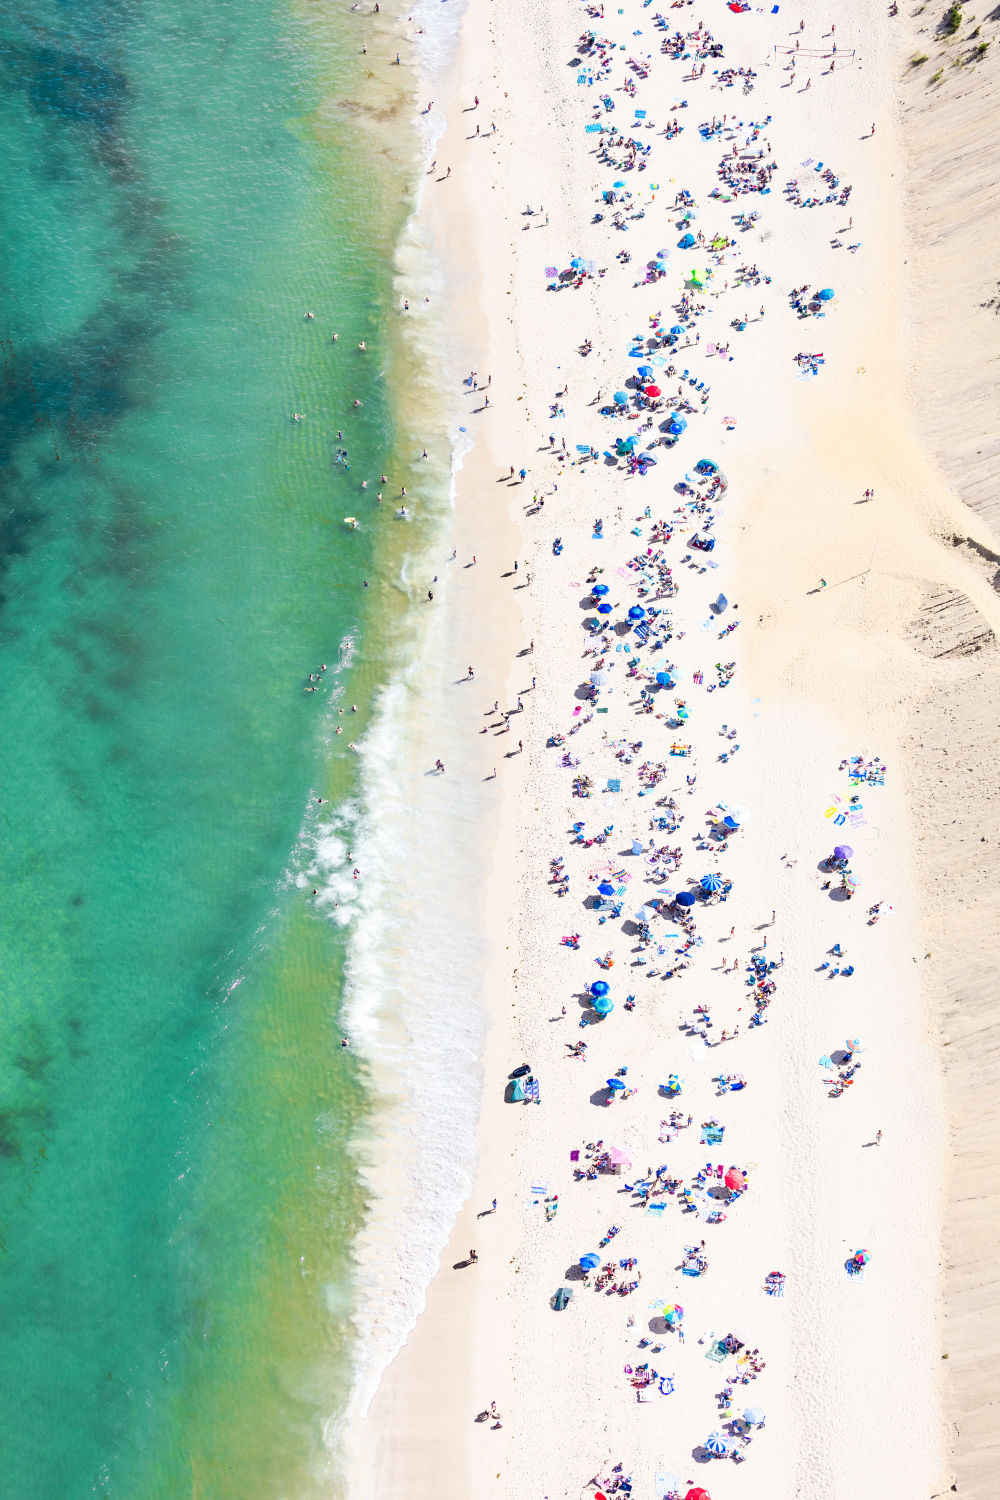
(717, 1352)
(654, 1210)
(614, 785)
(531, 1093)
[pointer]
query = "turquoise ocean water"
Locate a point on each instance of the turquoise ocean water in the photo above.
(182, 182)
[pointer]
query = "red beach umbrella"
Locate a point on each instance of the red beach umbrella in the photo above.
(652, 390)
(735, 1181)
(697, 1494)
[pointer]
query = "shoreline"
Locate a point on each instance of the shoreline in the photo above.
(462, 1350)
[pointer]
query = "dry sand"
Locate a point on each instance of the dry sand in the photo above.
(874, 662)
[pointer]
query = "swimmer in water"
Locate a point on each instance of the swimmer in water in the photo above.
(309, 315)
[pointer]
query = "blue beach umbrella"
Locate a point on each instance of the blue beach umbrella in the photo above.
(578, 264)
(590, 1261)
(620, 398)
(604, 1005)
(600, 987)
(685, 242)
(645, 371)
(604, 609)
(717, 1443)
(826, 295)
(677, 330)
(618, 184)
(664, 679)
(615, 1085)
(606, 889)
(600, 589)
(685, 898)
(637, 612)
(712, 883)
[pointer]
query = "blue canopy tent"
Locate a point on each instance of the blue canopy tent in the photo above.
(685, 242)
(731, 823)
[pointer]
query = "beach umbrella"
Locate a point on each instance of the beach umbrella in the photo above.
(862, 1257)
(618, 1157)
(590, 1261)
(645, 371)
(735, 1181)
(645, 914)
(712, 883)
(616, 1085)
(826, 295)
(685, 242)
(753, 1415)
(606, 889)
(673, 1314)
(620, 398)
(842, 851)
(697, 1494)
(652, 391)
(618, 184)
(604, 1005)
(717, 1443)
(578, 264)
(677, 330)
(664, 679)
(600, 589)
(604, 609)
(600, 987)
(637, 612)
(676, 426)
(685, 898)
(854, 1044)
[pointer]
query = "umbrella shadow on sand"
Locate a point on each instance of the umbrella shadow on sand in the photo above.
(602, 1097)
(575, 1273)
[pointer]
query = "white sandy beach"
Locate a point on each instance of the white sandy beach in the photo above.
(822, 671)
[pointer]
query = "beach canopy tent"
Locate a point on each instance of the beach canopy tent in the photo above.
(826, 295)
(731, 823)
(712, 883)
(685, 898)
(685, 242)
(753, 1415)
(735, 1181)
(600, 589)
(600, 987)
(562, 1298)
(590, 1261)
(625, 445)
(517, 1094)
(604, 1005)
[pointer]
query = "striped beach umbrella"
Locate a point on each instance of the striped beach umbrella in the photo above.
(717, 1444)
